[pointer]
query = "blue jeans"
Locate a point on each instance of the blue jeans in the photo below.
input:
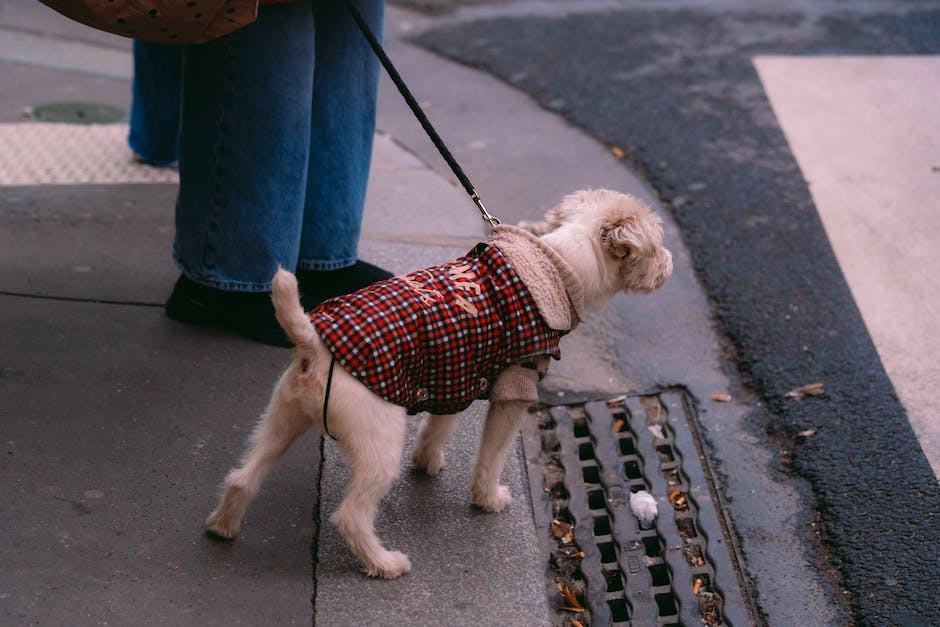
(155, 107)
(276, 137)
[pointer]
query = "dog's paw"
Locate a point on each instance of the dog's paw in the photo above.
(390, 565)
(219, 527)
(431, 462)
(492, 501)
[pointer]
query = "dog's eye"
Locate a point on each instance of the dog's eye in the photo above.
(621, 252)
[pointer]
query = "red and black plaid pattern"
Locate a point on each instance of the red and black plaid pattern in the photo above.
(434, 340)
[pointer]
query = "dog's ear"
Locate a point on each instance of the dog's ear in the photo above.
(619, 237)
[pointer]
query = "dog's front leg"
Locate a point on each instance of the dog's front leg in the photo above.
(499, 431)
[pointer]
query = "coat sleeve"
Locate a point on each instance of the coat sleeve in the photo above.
(520, 382)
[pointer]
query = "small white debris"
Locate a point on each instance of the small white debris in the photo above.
(644, 508)
(657, 431)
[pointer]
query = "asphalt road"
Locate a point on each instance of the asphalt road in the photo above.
(674, 87)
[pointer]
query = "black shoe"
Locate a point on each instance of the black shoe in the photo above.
(250, 314)
(317, 286)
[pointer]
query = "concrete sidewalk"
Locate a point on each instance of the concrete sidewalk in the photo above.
(118, 424)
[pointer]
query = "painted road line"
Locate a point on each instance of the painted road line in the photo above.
(866, 134)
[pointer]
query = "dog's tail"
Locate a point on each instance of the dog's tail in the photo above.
(290, 313)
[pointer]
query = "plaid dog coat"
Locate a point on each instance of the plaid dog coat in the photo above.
(436, 339)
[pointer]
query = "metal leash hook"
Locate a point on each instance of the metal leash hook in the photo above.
(418, 112)
(493, 220)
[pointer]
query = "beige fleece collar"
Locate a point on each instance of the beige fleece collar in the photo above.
(554, 286)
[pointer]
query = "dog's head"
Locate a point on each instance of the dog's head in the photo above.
(613, 241)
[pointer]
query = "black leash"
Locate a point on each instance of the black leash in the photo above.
(435, 138)
(326, 397)
(416, 109)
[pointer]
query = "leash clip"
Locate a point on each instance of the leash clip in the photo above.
(416, 109)
(493, 220)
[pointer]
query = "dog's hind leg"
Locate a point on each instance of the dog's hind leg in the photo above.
(429, 450)
(372, 436)
(280, 425)
(499, 431)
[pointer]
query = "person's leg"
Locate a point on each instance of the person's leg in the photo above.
(243, 169)
(345, 91)
(155, 104)
(244, 152)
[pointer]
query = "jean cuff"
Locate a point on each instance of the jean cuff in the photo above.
(321, 266)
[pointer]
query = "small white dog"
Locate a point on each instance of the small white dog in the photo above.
(483, 326)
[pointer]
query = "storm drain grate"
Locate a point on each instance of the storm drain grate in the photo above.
(606, 568)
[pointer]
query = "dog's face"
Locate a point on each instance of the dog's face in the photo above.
(619, 233)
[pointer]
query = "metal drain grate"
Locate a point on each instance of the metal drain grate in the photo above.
(605, 568)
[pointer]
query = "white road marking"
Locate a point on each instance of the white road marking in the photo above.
(866, 134)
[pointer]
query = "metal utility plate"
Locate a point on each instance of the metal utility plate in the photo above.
(76, 112)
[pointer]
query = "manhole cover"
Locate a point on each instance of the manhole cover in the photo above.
(78, 113)
(605, 567)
